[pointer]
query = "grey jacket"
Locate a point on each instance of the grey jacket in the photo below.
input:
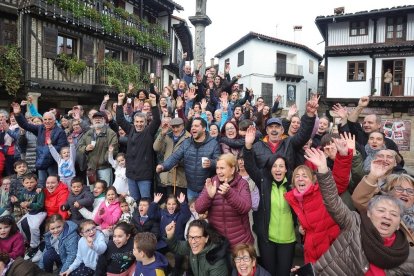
(346, 256)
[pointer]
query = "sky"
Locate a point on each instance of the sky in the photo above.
(232, 19)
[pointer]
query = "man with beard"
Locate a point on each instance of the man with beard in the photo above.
(45, 164)
(95, 144)
(199, 154)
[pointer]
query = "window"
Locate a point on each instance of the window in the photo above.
(267, 93)
(240, 58)
(311, 66)
(124, 56)
(358, 28)
(356, 70)
(395, 28)
(112, 54)
(66, 45)
(144, 65)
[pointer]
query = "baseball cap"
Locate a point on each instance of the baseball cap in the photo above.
(274, 121)
(98, 114)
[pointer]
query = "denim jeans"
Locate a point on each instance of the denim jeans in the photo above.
(43, 174)
(105, 174)
(192, 195)
(50, 257)
(139, 188)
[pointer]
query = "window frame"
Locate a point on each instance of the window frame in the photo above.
(112, 51)
(65, 37)
(358, 27)
(355, 70)
(395, 28)
(240, 58)
(311, 66)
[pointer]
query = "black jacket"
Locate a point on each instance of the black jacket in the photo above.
(150, 225)
(140, 163)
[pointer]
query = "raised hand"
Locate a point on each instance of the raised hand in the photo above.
(341, 146)
(165, 127)
(378, 169)
(153, 99)
(350, 141)
(363, 101)
(48, 141)
(250, 137)
(121, 97)
(190, 114)
(312, 106)
(181, 198)
(203, 104)
(106, 98)
(111, 148)
(180, 103)
(157, 197)
(16, 108)
(340, 111)
(278, 98)
(211, 187)
(317, 157)
(170, 229)
(293, 109)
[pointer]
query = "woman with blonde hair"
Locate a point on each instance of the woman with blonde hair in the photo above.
(226, 197)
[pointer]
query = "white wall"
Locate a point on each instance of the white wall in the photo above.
(337, 84)
(410, 26)
(260, 66)
(338, 34)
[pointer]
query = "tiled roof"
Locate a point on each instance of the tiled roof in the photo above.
(253, 35)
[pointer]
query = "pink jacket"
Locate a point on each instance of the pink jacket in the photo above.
(110, 216)
(13, 245)
(229, 214)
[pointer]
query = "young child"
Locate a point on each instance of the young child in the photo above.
(11, 240)
(5, 205)
(194, 216)
(65, 160)
(61, 244)
(32, 203)
(99, 191)
(176, 210)
(16, 187)
(141, 220)
(109, 212)
(79, 197)
(121, 181)
(149, 261)
(118, 258)
(126, 211)
(90, 246)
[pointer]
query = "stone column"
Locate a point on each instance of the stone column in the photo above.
(200, 21)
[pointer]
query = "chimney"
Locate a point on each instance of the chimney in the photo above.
(212, 62)
(339, 10)
(297, 34)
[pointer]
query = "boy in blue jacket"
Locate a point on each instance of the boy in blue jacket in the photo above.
(149, 261)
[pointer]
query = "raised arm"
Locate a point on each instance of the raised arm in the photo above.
(120, 117)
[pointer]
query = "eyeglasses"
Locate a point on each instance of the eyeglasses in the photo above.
(195, 238)
(245, 259)
(230, 128)
(90, 230)
(401, 190)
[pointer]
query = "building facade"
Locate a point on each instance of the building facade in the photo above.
(371, 53)
(272, 67)
(75, 52)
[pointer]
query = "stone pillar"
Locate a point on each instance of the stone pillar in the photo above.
(200, 21)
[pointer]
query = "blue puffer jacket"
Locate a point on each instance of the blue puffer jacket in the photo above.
(191, 154)
(58, 136)
(68, 245)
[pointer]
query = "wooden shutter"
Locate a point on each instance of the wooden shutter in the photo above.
(49, 42)
(87, 51)
(100, 52)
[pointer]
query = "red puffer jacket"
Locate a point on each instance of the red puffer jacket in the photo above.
(228, 213)
(57, 198)
(320, 229)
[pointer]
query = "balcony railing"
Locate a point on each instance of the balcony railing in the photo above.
(289, 69)
(399, 87)
(104, 19)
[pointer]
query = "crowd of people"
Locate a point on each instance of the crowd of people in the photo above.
(199, 178)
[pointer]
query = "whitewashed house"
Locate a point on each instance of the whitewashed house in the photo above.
(272, 66)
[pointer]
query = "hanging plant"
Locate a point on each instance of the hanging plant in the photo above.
(10, 69)
(70, 64)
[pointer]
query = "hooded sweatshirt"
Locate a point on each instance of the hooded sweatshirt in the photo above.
(155, 268)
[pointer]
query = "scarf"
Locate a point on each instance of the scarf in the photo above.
(370, 156)
(299, 195)
(376, 252)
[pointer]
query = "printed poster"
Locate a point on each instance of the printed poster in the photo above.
(399, 131)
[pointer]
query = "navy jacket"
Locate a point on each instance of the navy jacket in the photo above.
(85, 199)
(191, 155)
(58, 136)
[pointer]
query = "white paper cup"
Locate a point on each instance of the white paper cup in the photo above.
(93, 143)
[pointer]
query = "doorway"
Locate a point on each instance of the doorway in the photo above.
(397, 69)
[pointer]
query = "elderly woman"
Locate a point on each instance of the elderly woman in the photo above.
(370, 243)
(227, 199)
(245, 261)
(206, 249)
(400, 186)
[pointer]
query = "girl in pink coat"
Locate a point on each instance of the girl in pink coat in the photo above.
(109, 211)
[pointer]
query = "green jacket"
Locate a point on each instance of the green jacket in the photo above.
(209, 262)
